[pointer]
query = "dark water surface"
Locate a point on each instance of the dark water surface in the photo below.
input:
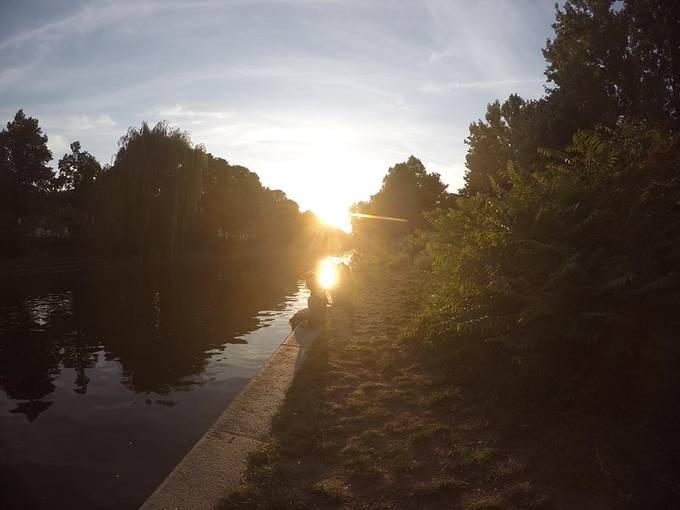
(108, 378)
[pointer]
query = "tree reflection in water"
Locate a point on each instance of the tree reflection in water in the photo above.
(157, 323)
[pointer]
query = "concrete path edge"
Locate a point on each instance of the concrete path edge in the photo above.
(217, 461)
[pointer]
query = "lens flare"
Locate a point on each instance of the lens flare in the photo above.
(328, 274)
(337, 217)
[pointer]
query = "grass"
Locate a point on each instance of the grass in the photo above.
(368, 424)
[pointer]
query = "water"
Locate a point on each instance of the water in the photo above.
(108, 378)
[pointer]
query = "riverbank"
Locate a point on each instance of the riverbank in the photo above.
(217, 461)
(368, 423)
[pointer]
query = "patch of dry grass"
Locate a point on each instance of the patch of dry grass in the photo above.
(365, 425)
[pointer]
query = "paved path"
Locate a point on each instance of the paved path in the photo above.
(216, 463)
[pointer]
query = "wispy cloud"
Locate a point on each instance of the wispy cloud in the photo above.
(36, 43)
(83, 122)
(79, 122)
(10, 75)
(327, 92)
(179, 111)
(64, 129)
(443, 88)
(84, 20)
(91, 17)
(58, 145)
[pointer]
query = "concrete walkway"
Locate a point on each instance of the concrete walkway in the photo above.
(217, 461)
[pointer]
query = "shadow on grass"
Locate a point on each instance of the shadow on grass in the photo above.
(284, 471)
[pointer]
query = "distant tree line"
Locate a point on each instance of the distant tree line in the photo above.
(161, 198)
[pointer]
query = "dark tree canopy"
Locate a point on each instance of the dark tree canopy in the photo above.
(25, 180)
(607, 62)
(74, 201)
(24, 174)
(615, 61)
(78, 170)
(163, 197)
(408, 191)
(157, 177)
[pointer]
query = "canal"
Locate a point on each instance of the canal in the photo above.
(108, 377)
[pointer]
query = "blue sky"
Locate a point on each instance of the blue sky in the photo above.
(319, 97)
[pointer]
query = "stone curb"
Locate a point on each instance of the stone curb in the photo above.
(217, 461)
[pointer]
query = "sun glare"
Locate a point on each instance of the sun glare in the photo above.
(328, 274)
(335, 216)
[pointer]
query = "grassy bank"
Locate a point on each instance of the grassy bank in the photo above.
(370, 423)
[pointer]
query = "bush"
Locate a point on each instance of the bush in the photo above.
(569, 278)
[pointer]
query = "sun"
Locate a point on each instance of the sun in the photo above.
(336, 216)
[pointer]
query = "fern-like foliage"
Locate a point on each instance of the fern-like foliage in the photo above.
(565, 256)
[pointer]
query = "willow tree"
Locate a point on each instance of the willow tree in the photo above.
(159, 181)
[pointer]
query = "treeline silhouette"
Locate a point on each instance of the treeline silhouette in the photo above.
(407, 192)
(553, 277)
(163, 197)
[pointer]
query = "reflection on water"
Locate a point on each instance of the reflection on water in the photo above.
(108, 378)
(327, 274)
(328, 271)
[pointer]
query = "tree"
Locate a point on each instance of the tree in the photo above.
(161, 197)
(489, 150)
(25, 178)
(610, 62)
(157, 176)
(606, 63)
(78, 171)
(407, 192)
(572, 271)
(75, 194)
(279, 217)
(230, 198)
(164, 196)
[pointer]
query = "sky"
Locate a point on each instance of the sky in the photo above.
(318, 97)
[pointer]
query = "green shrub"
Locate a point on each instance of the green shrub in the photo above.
(570, 277)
